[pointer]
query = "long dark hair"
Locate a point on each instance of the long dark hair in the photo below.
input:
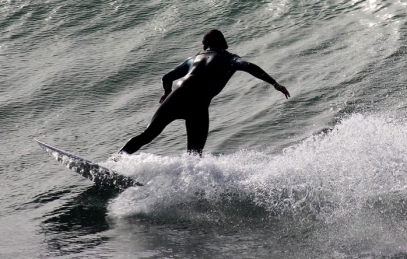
(214, 39)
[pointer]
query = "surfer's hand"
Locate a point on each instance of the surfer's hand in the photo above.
(162, 99)
(282, 89)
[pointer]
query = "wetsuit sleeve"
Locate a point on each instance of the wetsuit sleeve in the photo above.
(176, 73)
(239, 64)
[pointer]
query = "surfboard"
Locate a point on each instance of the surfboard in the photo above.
(100, 175)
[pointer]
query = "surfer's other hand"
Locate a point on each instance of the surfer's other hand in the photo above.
(162, 99)
(283, 90)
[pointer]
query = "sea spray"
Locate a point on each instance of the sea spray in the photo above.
(327, 177)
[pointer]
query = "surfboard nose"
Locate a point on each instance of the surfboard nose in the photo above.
(101, 176)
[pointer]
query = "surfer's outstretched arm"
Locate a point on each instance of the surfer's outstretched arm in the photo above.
(175, 74)
(256, 71)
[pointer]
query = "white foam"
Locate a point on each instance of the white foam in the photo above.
(328, 176)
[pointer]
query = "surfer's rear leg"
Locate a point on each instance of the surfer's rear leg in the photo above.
(156, 126)
(136, 143)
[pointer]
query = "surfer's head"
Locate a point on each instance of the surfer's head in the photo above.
(214, 39)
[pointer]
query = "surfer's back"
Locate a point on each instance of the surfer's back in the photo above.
(211, 69)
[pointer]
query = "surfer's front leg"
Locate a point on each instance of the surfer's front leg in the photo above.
(197, 131)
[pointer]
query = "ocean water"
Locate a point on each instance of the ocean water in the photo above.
(320, 175)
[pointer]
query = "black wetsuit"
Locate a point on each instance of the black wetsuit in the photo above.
(203, 77)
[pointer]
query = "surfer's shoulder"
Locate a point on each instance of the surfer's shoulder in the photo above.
(187, 62)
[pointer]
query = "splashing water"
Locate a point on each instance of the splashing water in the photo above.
(357, 166)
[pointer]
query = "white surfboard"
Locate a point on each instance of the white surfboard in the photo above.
(100, 175)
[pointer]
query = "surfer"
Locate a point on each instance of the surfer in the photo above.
(203, 76)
